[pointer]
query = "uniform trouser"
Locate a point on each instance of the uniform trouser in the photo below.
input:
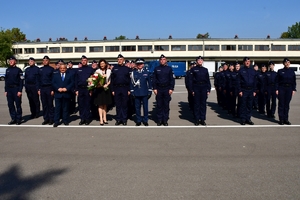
(284, 99)
(219, 100)
(33, 98)
(261, 101)
(223, 98)
(163, 99)
(200, 97)
(47, 103)
(131, 107)
(94, 108)
(255, 101)
(72, 105)
(271, 101)
(227, 100)
(191, 100)
(138, 100)
(61, 105)
(14, 104)
(238, 106)
(246, 105)
(121, 101)
(233, 103)
(84, 103)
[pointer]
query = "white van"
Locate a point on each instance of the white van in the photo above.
(295, 67)
(2, 73)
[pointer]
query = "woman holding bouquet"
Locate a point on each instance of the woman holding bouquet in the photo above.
(102, 91)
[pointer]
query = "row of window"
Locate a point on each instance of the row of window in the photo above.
(159, 48)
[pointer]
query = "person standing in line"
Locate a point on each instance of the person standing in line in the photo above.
(217, 85)
(255, 99)
(82, 92)
(163, 87)
(120, 86)
(62, 83)
(286, 89)
(46, 91)
(31, 78)
(13, 91)
(103, 93)
(200, 87)
(260, 90)
(186, 81)
(271, 83)
(246, 88)
(141, 90)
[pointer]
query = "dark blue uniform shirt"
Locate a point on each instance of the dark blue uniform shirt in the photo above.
(261, 81)
(287, 77)
(163, 77)
(32, 76)
(83, 73)
(271, 79)
(199, 76)
(247, 79)
(120, 77)
(233, 82)
(45, 75)
(13, 78)
(140, 83)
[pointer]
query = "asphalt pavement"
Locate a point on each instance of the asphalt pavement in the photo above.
(222, 160)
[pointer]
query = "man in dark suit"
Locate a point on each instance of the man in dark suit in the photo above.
(62, 84)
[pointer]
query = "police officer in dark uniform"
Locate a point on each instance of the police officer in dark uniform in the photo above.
(186, 81)
(233, 91)
(32, 87)
(13, 91)
(223, 85)
(271, 83)
(261, 89)
(247, 88)
(200, 86)
(82, 92)
(120, 86)
(46, 91)
(255, 99)
(217, 85)
(72, 72)
(141, 90)
(286, 89)
(163, 87)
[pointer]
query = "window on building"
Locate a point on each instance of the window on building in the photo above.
(128, 48)
(96, 49)
(41, 50)
(67, 49)
(112, 48)
(195, 48)
(29, 50)
(54, 50)
(18, 51)
(80, 49)
(212, 48)
(278, 47)
(145, 48)
(228, 47)
(161, 47)
(262, 48)
(245, 47)
(178, 47)
(294, 47)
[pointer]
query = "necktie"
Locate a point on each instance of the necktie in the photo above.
(63, 76)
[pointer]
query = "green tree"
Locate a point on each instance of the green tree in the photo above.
(200, 36)
(293, 31)
(121, 37)
(7, 38)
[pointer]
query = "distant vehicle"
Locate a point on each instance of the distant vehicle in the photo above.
(295, 67)
(179, 68)
(2, 73)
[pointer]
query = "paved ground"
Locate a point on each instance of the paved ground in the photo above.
(223, 160)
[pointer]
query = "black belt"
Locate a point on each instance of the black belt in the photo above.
(272, 84)
(285, 85)
(121, 85)
(247, 88)
(46, 85)
(82, 86)
(13, 86)
(163, 85)
(200, 83)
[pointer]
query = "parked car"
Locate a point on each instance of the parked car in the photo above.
(2, 73)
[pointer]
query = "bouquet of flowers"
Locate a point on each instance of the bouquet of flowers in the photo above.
(96, 81)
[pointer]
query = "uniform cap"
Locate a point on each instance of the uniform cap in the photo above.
(83, 57)
(46, 57)
(31, 58)
(139, 61)
(285, 60)
(61, 60)
(162, 56)
(245, 59)
(120, 56)
(94, 61)
(70, 62)
(126, 61)
(263, 65)
(199, 57)
(271, 63)
(12, 58)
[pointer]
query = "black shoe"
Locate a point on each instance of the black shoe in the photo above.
(105, 122)
(145, 123)
(165, 123)
(81, 122)
(125, 123)
(117, 123)
(281, 122)
(101, 124)
(202, 122)
(197, 123)
(18, 123)
(87, 122)
(66, 123)
(11, 122)
(32, 116)
(287, 122)
(249, 122)
(138, 124)
(159, 123)
(45, 122)
(272, 116)
(55, 125)
(242, 123)
(51, 122)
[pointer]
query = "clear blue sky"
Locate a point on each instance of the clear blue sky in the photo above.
(150, 19)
